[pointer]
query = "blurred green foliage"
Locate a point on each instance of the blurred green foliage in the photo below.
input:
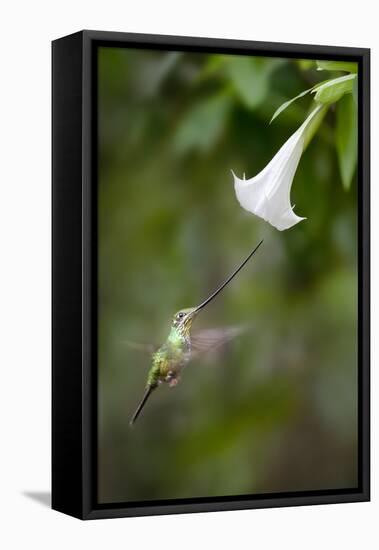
(276, 411)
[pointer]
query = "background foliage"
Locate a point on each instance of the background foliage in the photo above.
(277, 410)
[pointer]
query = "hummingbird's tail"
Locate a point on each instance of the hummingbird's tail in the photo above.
(145, 397)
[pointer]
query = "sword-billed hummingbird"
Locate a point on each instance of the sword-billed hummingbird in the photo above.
(180, 346)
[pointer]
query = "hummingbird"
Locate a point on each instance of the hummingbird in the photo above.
(181, 345)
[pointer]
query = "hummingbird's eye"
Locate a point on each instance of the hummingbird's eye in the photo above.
(180, 314)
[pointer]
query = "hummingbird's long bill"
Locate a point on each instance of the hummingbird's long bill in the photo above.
(145, 397)
(220, 288)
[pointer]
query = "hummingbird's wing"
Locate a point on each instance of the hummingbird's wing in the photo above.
(141, 346)
(209, 340)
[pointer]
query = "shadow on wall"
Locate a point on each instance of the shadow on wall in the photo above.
(42, 497)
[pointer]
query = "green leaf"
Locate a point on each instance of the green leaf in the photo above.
(305, 64)
(332, 90)
(355, 91)
(202, 124)
(348, 66)
(156, 71)
(346, 139)
(286, 104)
(250, 77)
(314, 125)
(213, 64)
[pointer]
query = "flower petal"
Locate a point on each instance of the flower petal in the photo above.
(267, 195)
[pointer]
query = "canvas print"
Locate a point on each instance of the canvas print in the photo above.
(227, 265)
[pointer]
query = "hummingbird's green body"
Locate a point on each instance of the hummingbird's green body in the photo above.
(173, 355)
(170, 359)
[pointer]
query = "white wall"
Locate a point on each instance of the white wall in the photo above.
(26, 30)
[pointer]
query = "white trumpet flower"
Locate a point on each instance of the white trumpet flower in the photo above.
(267, 195)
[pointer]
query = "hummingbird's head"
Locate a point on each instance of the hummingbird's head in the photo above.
(183, 318)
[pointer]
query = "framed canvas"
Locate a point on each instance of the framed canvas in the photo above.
(210, 227)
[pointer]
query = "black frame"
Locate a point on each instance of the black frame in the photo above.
(74, 204)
